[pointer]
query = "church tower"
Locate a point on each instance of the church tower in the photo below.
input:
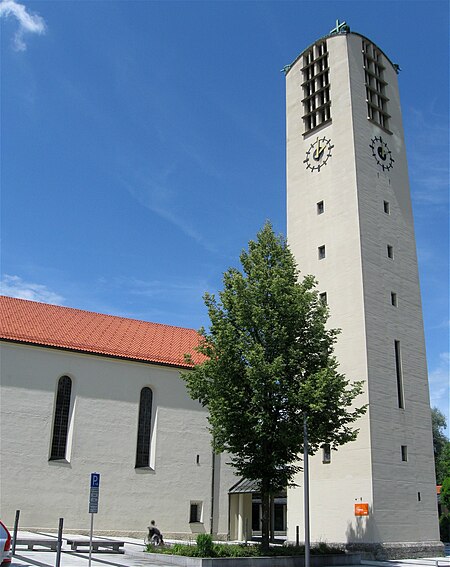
(350, 224)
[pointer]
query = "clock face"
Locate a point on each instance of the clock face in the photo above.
(382, 153)
(318, 154)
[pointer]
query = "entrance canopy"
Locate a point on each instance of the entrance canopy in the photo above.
(245, 486)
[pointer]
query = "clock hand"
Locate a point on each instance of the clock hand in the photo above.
(318, 151)
(382, 152)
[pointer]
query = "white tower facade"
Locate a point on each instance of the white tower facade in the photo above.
(350, 224)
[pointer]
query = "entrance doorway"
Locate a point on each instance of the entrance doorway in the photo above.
(245, 512)
(278, 514)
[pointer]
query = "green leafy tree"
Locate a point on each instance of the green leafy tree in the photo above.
(441, 445)
(444, 463)
(269, 362)
(445, 493)
(444, 520)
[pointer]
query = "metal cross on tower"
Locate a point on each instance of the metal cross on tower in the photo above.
(340, 27)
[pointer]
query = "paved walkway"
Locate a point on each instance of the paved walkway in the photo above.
(135, 557)
(428, 562)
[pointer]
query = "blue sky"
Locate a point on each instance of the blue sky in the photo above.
(143, 146)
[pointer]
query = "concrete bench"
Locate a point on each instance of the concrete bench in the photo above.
(108, 544)
(31, 542)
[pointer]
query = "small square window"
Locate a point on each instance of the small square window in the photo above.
(390, 251)
(326, 453)
(321, 252)
(320, 207)
(393, 299)
(386, 207)
(323, 297)
(195, 512)
(404, 453)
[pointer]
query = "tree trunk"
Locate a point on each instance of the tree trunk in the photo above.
(265, 520)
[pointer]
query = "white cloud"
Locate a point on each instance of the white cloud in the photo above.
(158, 198)
(28, 23)
(14, 286)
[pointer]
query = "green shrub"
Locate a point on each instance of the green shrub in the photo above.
(180, 549)
(205, 546)
(226, 550)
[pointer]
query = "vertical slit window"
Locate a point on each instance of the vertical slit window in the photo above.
(61, 420)
(321, 252)
(320, 208)
(399, 373)
(144, 429)
(404, 453)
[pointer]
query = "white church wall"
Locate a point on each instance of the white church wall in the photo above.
(105, 392)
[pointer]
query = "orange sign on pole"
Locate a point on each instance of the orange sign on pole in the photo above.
(361, 509)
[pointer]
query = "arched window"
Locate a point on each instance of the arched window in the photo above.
(61, 421)
(144, 429)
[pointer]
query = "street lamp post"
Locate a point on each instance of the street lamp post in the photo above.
(306, 490)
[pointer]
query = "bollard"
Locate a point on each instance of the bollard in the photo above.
(59, 544)
(16, 529)
(297, 536)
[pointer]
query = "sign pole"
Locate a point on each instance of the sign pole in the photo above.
(93, 506)
(90, 538)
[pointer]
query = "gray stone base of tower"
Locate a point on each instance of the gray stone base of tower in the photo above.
(386, 551)
(399, 550)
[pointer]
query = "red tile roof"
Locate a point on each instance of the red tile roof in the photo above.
(64, 327)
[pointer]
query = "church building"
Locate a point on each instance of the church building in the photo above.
(84, 392)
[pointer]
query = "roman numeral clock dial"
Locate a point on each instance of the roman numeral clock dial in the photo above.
(318, 154)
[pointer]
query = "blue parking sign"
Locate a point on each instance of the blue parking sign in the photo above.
(95, 480)
(94, 493)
